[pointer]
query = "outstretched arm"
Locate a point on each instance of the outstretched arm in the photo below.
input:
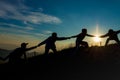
(90, 35)
(74, 36)
(62, 38)
(118, 31)
(43, 42)
(102, 36)
(27, 49)
(1, 58)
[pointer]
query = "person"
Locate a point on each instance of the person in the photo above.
(112, 35)
(80, 37)
(15, 55)
(50, 42)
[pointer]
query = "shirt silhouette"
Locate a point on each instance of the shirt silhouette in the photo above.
(15, 56)
(80, 37)
(50, 42)
(112, 36)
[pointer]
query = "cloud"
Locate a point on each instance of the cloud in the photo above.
(20, 31)
(40, 9)
(13, 30)
(37, 18)
(40, 34)
(29, 28)
(17, 26)
(25, 14)
(47, 32)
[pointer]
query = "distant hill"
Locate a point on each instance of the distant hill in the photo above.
(4, 52)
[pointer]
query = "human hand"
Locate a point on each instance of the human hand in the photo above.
(68, 37)
(38, 45)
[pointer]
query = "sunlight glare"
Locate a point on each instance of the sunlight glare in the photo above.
(97, 39)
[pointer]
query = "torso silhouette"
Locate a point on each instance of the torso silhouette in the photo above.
(80, 36)
(50, 42)
(17, 54)
(113, 35)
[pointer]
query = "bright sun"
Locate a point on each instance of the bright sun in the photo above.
(97, 39)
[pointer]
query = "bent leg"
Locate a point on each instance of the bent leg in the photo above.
(106, 43)
(46, 50)
(84, 43)
(77, 44)
(54, 50)
(118, 41)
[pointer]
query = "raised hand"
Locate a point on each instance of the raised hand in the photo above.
(68, 37)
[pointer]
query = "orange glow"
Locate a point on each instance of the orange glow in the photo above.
(97, 39)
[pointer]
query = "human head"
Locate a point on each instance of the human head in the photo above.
(84, 30)
(110, 31)
(54, 34)
(23, 45)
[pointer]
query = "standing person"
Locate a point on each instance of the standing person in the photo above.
(112, 35)
(80, 37)
(15, 56)
(50, 42)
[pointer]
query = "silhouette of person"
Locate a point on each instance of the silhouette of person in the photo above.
(112, 36)
(50, 42)
(80, 37)
(15, 55)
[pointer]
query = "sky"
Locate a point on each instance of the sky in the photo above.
(33, 21)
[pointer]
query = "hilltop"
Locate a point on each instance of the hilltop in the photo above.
(94, 63)
(92, 55)
(95, 55)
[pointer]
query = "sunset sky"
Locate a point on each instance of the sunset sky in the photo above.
(33, 21)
